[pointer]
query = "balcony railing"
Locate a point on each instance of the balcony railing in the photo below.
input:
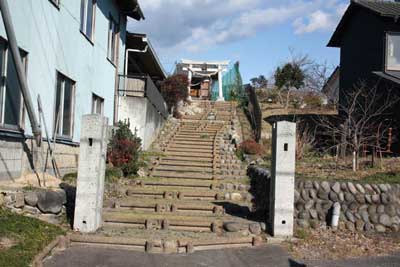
(142, 86)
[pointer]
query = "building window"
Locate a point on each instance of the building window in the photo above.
(64, 108)
(88, 14)
(11, 102)
(97, 104)
(113, 30)
(393, 52)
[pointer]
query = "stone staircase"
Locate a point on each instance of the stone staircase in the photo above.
(195, 198)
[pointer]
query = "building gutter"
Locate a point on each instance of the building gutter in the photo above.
(12, 41)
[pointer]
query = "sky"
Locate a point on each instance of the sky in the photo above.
(260, 34)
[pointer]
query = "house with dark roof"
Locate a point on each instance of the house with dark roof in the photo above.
(368, 36)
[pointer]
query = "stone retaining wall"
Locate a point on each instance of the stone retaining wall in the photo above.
(46, 205)
(364, 207)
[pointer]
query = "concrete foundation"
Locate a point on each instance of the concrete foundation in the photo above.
(143, 117)
(283, 171)
(91, 172)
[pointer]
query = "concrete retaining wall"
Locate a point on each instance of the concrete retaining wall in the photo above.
(364, 207)
(142, 116)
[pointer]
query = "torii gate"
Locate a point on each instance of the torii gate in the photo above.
(205, 69)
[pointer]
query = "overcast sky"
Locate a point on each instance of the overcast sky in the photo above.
(258, 33)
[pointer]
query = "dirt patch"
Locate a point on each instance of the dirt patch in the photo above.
(6, 243)
(342, 244)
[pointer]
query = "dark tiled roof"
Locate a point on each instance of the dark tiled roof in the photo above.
(380, 7)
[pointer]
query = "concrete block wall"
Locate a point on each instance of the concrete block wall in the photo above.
(142, 116)
(17, 156)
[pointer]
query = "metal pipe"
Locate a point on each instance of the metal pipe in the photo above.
(335, 215)
(12, 41)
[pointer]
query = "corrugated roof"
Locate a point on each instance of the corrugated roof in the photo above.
(384, 8)
(380, 7)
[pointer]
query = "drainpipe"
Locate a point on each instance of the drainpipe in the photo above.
(127, 58)
(135, 51)
(12, 41)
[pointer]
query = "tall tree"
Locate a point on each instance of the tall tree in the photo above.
(289, 76)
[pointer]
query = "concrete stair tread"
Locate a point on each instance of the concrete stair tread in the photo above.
(189, 154)
(126, 201)
(181, 158)
(182, 175)
(162, 167)
(183, 163)
(110, 215)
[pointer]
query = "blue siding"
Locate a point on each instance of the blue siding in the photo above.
(54, 42)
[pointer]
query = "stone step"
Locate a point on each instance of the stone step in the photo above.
(168, 244)
(162, 221)
(182, 194)
(192, 149)
(187, 159)
(182, 175)
(163, 167)
(191, 146)
(169, 206)
(194, 140)
(189, 154)
(185, 163)
(169, 183)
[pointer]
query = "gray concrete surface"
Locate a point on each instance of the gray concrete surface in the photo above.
(91, 172)
(268, 256)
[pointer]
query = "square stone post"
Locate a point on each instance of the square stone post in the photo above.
(91, 172)
(220, 89)
(190, 76)
(282, 174)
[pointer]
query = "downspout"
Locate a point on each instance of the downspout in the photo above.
(127, 59)
(127, 56)
(20, 70)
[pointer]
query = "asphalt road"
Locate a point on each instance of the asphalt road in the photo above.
(268, 256)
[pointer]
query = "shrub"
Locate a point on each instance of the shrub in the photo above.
(251, 147)
(312, 100)
(124, 150)
(175, 89)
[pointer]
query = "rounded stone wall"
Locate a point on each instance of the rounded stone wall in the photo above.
(364, 207)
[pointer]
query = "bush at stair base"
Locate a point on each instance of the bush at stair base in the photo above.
(124, 150)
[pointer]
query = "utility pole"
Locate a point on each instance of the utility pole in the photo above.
(12, 42)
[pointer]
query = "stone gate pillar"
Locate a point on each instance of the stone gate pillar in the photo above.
(91, 172)
(282, 174)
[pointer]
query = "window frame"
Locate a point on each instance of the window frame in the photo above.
(20, 126)
(96, 98)
(59, 131)
(112, 57)
(387, 67)
(83, 20)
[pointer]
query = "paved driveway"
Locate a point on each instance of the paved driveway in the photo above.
(268, 256)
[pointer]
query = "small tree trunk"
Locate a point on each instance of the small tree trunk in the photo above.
(354, 161)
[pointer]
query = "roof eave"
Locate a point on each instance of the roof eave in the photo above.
(132, 9)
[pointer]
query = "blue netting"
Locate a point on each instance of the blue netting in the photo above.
(231, 84)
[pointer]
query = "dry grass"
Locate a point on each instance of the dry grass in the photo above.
(326, 244)
(325, 168)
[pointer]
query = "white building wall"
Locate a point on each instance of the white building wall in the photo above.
(53, 40)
